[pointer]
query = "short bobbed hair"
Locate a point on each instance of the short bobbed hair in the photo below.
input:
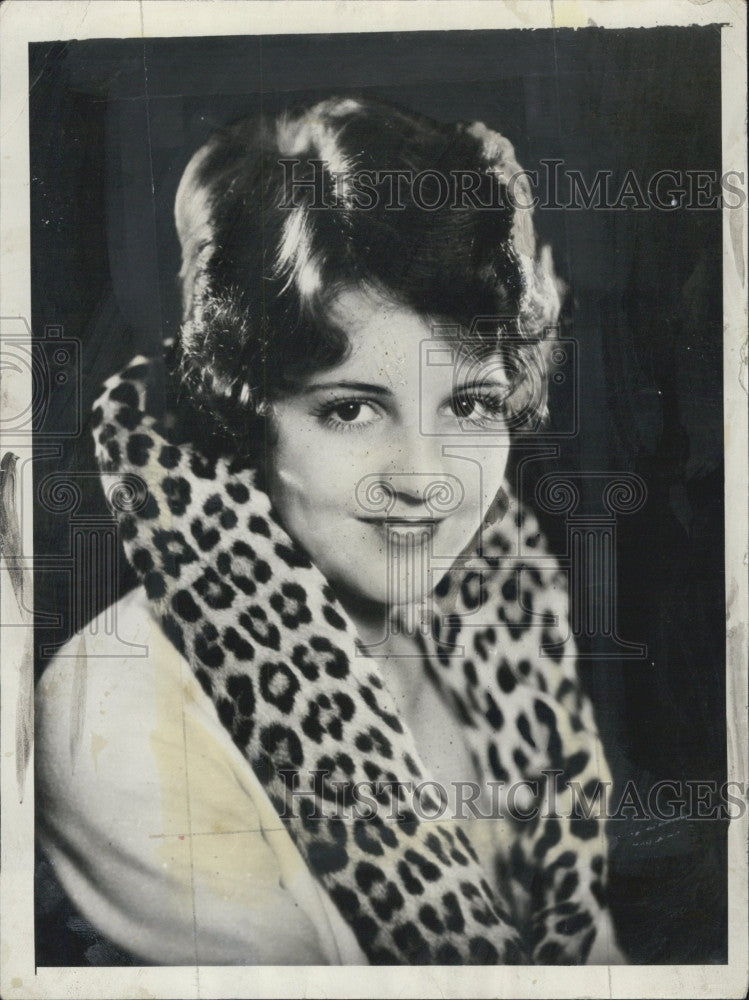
(276, 216)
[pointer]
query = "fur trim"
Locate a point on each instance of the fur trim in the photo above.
(273, 648)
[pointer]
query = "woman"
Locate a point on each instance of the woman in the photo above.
(343, 744)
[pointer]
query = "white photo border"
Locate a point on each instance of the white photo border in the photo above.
(23, 21)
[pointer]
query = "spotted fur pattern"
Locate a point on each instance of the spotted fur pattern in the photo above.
(275, 652)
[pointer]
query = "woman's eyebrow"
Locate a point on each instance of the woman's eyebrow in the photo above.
(359, 386)
(491, 382)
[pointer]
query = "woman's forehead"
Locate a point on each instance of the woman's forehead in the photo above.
(379, 327)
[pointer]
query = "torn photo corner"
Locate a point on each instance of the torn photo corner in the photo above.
(373, 499)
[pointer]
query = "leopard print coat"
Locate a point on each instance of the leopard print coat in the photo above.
(274, 650)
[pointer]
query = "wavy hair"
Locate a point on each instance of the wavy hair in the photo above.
(276, 215)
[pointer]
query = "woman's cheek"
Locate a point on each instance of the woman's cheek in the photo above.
(318, 489)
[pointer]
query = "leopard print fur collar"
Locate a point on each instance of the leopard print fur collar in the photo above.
(274, 650)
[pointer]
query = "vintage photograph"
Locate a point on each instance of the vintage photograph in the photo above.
(373, 523)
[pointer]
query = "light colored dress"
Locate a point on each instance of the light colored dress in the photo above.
(158, 830)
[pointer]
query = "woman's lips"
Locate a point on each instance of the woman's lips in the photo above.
(400, 521)
(404, 530)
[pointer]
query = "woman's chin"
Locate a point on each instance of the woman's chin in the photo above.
(376, 605)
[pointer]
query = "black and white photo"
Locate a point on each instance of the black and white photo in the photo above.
(374, 501)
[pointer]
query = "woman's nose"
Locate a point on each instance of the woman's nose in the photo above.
(409, 488)
(414, 462)
(412, 451)
(433, 495)
(412, 479)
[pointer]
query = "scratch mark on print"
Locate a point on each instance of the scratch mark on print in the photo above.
(11, 553)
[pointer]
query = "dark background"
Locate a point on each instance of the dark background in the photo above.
(113, 124)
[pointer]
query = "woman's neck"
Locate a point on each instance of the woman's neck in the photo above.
(382, 628)
(395, 651)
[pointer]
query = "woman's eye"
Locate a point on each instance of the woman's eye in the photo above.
(463, 406)
(349, 413)
(479, 409)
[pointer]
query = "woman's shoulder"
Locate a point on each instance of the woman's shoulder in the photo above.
(153, 820)
(103, 686)
(105, 670)
(98, 704)
(121, 632)
(119, 705)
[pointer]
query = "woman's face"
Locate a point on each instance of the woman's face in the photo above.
(383, 467)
